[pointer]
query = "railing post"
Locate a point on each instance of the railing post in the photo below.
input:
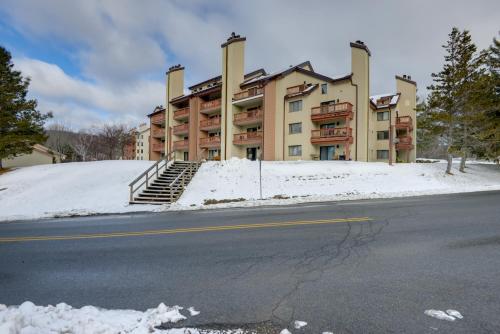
(131, 198)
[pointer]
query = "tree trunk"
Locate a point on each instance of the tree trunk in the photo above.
(462, 162)
(448, 166)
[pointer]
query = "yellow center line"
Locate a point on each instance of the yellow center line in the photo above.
(183, 230)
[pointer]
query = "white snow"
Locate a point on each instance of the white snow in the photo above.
(299, 324)
(84, 188)
(285, 331)
(192, 311)
(307, 181)
(455, 313)
(29, 318)
(77, 188)
(449, 315)
(62, 318)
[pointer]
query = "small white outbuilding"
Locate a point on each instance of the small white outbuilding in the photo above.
(41, 155)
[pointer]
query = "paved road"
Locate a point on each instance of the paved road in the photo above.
(299, 262)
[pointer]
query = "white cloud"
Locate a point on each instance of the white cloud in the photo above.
(77, 101)
(120, 45)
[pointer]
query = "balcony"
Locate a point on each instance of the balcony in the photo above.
(181, 114)
(331, 135)
(248, 117)
(404, 122)
(181, 129)
(210, 142)
(158, 119)
(328, 112)
(158, 133)
(210, 124)
(295, 89)
(158, 147)
(248, 138)
(209, 107)
(248, 97)
(404, 143)
(181, 145)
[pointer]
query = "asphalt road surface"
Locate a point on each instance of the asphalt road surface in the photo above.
(345, 267)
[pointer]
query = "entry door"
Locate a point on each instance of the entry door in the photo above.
(252, 153)
(186, 156)
(326, 152)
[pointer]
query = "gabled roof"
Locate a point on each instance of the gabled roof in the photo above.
(219, 78)
(394, 98)
(297, 68)
(157, 110)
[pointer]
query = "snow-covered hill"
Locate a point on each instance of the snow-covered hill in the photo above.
(77, 188)
(84, 188)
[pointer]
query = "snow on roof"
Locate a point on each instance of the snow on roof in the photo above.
(394, 99)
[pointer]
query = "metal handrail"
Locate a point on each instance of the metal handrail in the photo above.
(156, 166)
(181, 177)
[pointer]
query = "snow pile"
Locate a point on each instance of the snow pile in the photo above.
(303, 181)
(62, 318)
(449, 315)
(28, 318)
(78, 188)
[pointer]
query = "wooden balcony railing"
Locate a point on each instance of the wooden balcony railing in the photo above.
(331, 135)
(158, 147)
(210, 142)
(181, 129)
(181, 113)
(247, 138)
(210, 105)
(295, 89)
(404, 122)
(404, 143)
(158, 118)
(210, 124)
(248, 117)
(181, 144)
(331, 111)
(158, 133)
(254, 91)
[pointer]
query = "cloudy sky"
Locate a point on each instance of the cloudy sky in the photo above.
(93, 61)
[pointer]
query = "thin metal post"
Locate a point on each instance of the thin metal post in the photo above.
(260, 177)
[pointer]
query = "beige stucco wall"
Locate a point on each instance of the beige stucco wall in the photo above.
(174, 88)
(407, 107)
(343, 91)
(233, 58)
(25, 160)
(142, 143)
(360, 62)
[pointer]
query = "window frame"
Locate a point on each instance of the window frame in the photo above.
(385, 136)
(290, 128)
(298, 102)
(291, 152)
(325, 90)
(383, 113)
(382, 158)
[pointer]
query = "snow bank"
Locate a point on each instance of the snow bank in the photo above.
(78, 188)
(28, 318)
(303, 181)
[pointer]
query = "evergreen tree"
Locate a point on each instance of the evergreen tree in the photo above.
(21, 125)
(450, 93)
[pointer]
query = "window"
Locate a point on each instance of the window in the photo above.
(295, 150)
(382, 154)
(294, 128)
(324, 88)
(382, 135)
(383, 116)
(296, 106)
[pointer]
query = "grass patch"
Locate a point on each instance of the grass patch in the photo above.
(280, 197)
(228, 200)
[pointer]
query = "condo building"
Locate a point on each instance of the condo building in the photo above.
(142, 139)
(292, 114)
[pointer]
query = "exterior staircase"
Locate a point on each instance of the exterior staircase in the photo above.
(163, 182)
